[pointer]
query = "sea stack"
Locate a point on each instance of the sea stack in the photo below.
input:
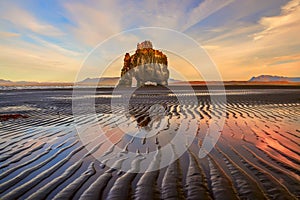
(145, 65)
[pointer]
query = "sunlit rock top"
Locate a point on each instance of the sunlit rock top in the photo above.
(144, 45)
(145, 65)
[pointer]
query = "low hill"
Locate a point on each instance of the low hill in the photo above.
(269, 78)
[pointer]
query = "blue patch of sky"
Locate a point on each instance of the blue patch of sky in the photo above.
(29, 39)
(241, 11)
(51, 13)
(193, 4)
(7, 26)
(48, 11)
(265, 11)
(24, 34)
(65, 42)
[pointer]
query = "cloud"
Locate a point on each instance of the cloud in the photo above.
(94, 21)
(25, 61)
(8, 34)
(203, 10)
(210, 47)
(285, 59)
(55, 47)
(269, 46)
(288, 19)
(244, 38)
(23, 19)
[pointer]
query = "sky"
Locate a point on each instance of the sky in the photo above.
(43, 40)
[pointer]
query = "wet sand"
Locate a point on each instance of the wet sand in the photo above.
(256, 157)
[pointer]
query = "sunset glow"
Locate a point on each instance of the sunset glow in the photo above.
(48, 41)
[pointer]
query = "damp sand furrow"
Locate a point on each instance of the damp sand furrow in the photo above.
(121, 189)
(273, 189)
(172, 184)
(280, 139)
(287, 154)
(20, 157)
(39, 135)
(14, 153)
(43, 192)
(221, 185)
(281, 160)
(4, 186)
(95, 190)
(69, 191)
(245, 185)
(294, 139)
(146, 188)
(196, 185)
(17, 192)
(12, 143)
(284, 165)
(24, 164)
(26, 125)
(280, 174)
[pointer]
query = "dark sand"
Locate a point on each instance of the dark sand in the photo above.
(256, 157)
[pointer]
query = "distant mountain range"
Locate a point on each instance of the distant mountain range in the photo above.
(104, 81)
(269, 78)
(113, 81)
(4, 82)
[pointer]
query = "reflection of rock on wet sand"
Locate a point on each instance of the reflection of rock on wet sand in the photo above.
(146, 65)
(145, 119)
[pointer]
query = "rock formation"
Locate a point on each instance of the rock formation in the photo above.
(146, 65)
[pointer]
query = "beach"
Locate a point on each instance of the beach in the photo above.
(47, 152)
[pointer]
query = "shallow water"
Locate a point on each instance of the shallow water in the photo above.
(256, 157)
